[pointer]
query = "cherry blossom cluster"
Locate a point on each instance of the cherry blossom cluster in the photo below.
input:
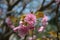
(30, 19)
(44, 23)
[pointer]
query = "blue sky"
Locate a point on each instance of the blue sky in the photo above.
(34, 5)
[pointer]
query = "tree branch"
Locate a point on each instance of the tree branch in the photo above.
(7, 1)
(11, 7)
(23, 9)
(58, 27)
(57, 17)
(44, 7)
(42, 3)
(24, 6)
(15, 3)
(8, 34)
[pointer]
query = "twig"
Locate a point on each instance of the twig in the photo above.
(15, 3)
(32, 34)
(10, 7)
(7, 1)
(9, 33)
(25, 37)
(24, 6)
(42, 3)
(44, 7)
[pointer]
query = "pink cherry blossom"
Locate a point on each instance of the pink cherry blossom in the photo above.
(22, 30)
(57, 1)
(16, 28)
(20, 23)
(30, 18)
(11, 26)
(44, 23)
(44, 20)
(41, 29)
(9, 23)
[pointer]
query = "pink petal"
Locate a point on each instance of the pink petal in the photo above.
(41, 29)
(8, 21)
(12, 26)
(20, 23)
(30, 18)
(15, 29)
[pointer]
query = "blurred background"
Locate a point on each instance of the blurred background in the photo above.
(15, 8)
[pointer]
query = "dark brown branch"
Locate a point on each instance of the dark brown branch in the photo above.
(57, 16)
(23, 9)
(8, 34)
(11, 7)
(42, 3)
(44, 7)
(53, 10)
(25, 37)
(7, 1)
(15, 4)
(24, 6)
(58, 27)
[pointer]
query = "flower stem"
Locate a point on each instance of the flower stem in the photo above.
(25, 37)
(32, 34)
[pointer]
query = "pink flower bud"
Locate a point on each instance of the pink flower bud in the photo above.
(44, 20)
(8, 21)
(12, 26)
(20, 23)
(41, 29)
